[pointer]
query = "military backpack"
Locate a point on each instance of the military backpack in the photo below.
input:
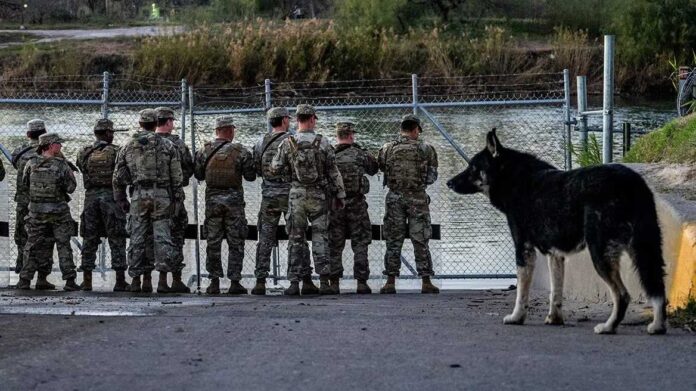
(406, 165)
(307, 160)
(99, 163)
(221, 171)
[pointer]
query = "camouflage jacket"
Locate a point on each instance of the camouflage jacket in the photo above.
(408, 165)
(20, 157)
(185, 156)
(243, 167)
(329, 174)
(354, 162)
(147, 160)
(52, 195)
(272, 185)
(81, 163)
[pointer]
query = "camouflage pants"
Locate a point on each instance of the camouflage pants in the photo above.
(150, 218)
(43, 229)
(351, 222)
(20, 239)
(269, 216)
(179, 224)
(308, 205)
(407, 214)
(101, 217)
(225, 220)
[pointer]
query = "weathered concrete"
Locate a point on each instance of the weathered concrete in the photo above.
(675, 198)
(452, 341)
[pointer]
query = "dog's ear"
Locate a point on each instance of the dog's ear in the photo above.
(492, 143)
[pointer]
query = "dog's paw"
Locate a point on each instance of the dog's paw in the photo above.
(656, 329)
(513, 319)
(555, 319)
(603, 328)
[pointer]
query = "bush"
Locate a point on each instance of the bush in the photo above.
(673, 143)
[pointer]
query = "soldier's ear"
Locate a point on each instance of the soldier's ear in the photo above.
(493, 144)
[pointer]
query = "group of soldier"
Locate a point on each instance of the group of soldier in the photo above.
(137, 191)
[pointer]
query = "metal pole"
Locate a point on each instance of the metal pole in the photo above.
(608, 126)
(566, 109)
(582, 107)
(183, 109)
(105, 96)
(194, 186)
(626, 137)
(414, 92)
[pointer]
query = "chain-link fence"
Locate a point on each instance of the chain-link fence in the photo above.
(471, 238)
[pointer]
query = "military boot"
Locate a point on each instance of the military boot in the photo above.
(24, 284)
(336, 285)
(428, 286)
(363, 288)
(237, 289)
(308, 287)
(293, 289)
(86, 281)
(71, 285)
(121, 284)
(147, 282)
(42, 283)
(260, 287)
(214, 287)
(324, 286)
(162, 286)
(178, 286)
(135, 285)
(390, 286)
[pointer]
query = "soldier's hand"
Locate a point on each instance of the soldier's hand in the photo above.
(338, 204)
(124, 205)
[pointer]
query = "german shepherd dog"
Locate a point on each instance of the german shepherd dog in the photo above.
(608, 209)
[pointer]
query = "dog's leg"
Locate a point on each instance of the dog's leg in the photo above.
(524, 281)
(657, 326)
(556, 272)
(611, 274)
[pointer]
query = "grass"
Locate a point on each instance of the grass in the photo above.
(673, 143)
(685, 317)
(590, 156)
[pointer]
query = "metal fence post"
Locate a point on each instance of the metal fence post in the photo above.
(608, 109)
(194, 186)
(183, 109)
(105, 96)
(569, 138)
(414, 93)
(626, 137)
(582, 108)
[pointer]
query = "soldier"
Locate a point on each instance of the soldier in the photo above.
(353, 221)
(316, 186)
(221, 164)
(149, 163)
(274, 191)
(20, 157)
(101, 217)
(49, 179)
(165, 125)
(409, 166)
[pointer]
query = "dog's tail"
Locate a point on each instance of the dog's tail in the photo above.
(646, 250)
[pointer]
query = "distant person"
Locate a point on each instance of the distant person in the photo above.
(50, 180)
(165, 126)
(222, 164)
(20, 157)
(409, 166)
(275, 189)
(316, 186)
(149, 163)
(352, 222)
(101, 216)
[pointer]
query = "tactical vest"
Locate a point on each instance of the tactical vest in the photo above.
(148, 163)
(100, 166)
(21, 164)
(268, 151)
(350, 163)
(406, 165)
(222, 171)
(307, 160)
(44, 182)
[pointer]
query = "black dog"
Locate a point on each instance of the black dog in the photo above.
(608, 209)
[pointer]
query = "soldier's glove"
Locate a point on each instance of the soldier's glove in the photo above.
(338, 204)
(124, 205)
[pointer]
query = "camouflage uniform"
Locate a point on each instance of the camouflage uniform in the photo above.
(49, 180)
(150, 164)
(180, 215)
(409, 167)
(20, 157)
(101, 217)
(315, 182)
(224, 201)
(352, 222)
(274, 191)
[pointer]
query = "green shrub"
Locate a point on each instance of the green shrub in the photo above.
(673, 143)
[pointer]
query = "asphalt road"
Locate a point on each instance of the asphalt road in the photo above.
(455, 340)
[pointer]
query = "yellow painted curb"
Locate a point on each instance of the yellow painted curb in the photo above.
(684, 281)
